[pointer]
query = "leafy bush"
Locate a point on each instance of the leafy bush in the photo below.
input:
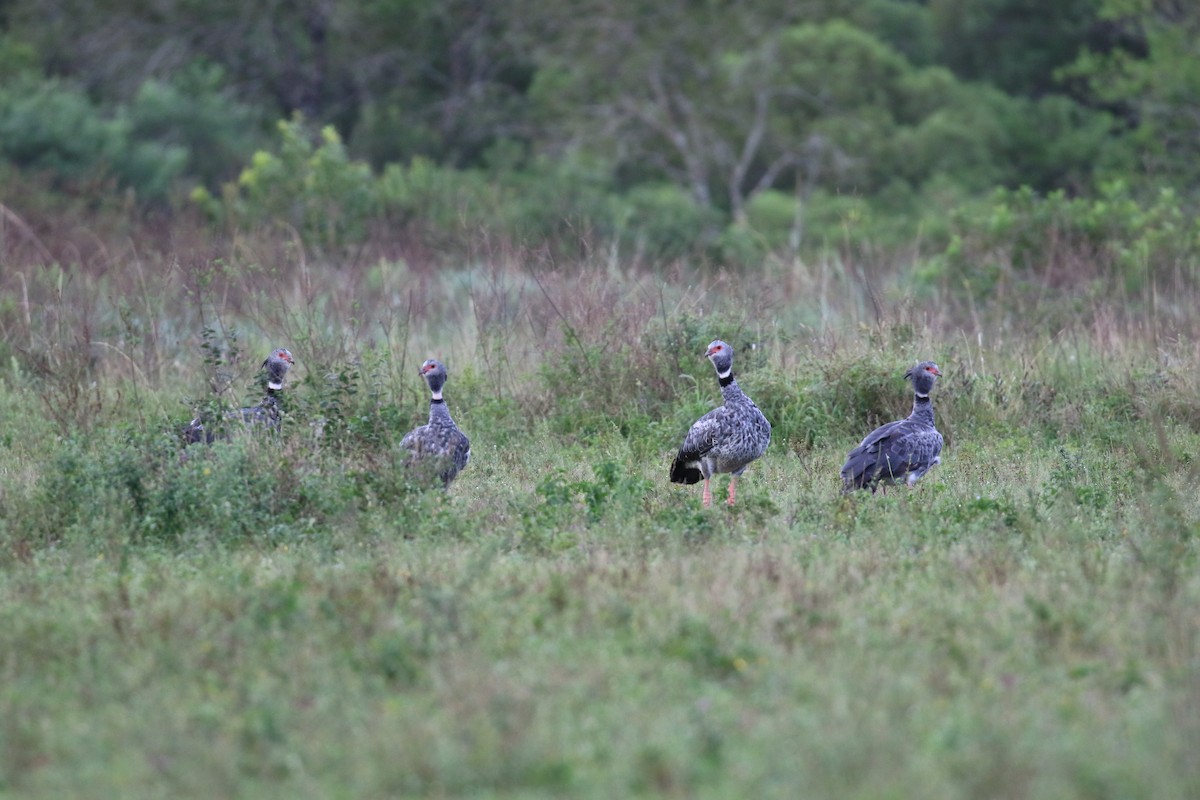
(627, 385)
(444, 201)
(566, 203)
(1025, 243)
(1153, 85)
(48, 125)
(194, 114)
(860, 394)
(828, 221)
(566, 505)
(104, 492)
(773, 217)
(16, 58)
(51, 126)
(666, 223)
(312, 185)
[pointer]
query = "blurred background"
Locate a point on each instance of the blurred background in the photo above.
(722, 133)
(323, 174)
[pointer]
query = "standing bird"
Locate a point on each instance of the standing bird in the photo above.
(903, 450)
(265, 413)
(725, 439)
(438, 447)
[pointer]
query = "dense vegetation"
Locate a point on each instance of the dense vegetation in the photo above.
(566, 204)
(710, 130)
(286, 615)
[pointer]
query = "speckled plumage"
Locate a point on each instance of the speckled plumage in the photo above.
(725, 439)
(437, 449)
(900, 451)
(265, 413)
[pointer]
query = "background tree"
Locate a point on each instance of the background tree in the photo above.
(445, 80)
(1015, 45)
(1154, 84)
(607, 115)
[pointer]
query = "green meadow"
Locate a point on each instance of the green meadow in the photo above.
(285, 616)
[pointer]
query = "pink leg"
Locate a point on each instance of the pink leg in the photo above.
(732, 489)
(707, 500)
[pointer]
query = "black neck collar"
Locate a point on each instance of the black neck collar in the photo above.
(436, 400)
(728, 379)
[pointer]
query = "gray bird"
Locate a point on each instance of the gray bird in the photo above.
(277, 365)
(725, 439)
(437, 448)
(265, 413)
(900, 451)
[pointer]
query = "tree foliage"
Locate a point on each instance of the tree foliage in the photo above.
(591, 115)
(1156, 85)
(1015, 45)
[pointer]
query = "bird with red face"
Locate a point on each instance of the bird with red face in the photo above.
(437, 450)
(901, 451)
(725, 439)
(265, 413)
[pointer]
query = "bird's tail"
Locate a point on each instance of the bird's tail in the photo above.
(685, 471)
(194, 433)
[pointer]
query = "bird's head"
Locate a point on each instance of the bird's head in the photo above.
(277, 365)
(434, 373)
(923, 376)
(721, 356)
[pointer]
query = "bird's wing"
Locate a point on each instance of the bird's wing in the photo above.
(864, 460)
(462, 450)
(412, 439)
(910, 450)
(704, 435)
(914, 449)
(879, 438)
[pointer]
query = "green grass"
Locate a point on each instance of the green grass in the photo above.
(287, 617)
(920, 645)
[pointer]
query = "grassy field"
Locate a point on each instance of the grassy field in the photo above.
(285, 616)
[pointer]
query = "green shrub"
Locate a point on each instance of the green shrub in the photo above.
(17, 58)
(193, 114)
(566, 203)
(855, 396)
(666, 223)
(52, 127)
(442, 202)
(1024, 243)
(314, 186)
(772, 215)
